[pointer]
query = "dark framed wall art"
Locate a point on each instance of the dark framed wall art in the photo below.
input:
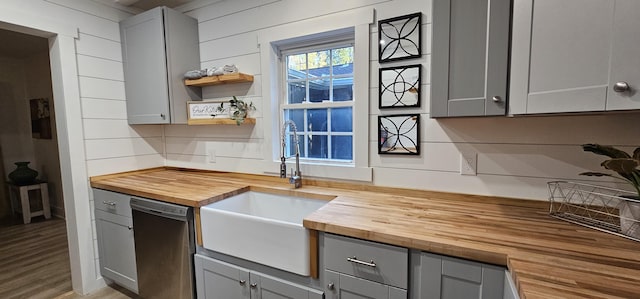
(399, 134)
(399, 86)
(399, 38)
(40, 111)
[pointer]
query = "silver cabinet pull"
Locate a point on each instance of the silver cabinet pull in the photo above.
(253, 285)
(162, 115)
(331, 286)
(359, 262)
(242, 282)
(621, 86)
(496, 99)
(109, 203)
(129, 227)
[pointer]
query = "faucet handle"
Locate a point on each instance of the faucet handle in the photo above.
(283, 169)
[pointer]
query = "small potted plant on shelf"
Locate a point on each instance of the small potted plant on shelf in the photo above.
(239, 110)
(626, 166)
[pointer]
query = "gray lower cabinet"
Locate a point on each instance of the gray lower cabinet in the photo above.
(441, 277)
(510, 289)
(158, 47)
(346, 286)
(357, 268)
(470, 57)
(575, 56)
(116, 248)
(219, 280)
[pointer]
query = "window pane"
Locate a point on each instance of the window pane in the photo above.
(317, 120)
(319, 63)
(296, 66)
(341, 119)
(319, 90)
(342, 147)
(291, 146)
(297, 116)
(342, 89)
(297, 92)
(342, 61)
(318, 146)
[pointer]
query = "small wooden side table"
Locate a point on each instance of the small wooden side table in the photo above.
(25, 205)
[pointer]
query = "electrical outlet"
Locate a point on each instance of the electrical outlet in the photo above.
(468, 163)
(211, 155)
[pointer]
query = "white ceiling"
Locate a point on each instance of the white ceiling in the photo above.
(20, 45)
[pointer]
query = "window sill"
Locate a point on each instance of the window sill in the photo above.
(325, 171)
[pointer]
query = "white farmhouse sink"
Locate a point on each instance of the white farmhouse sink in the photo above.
(260, 227)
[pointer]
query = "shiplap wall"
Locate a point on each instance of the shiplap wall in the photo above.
(516, 156)
(111, 144)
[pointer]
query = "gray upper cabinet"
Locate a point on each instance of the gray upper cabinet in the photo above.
(442, 277)
(575, 56)
(470, 57)
(158, 47)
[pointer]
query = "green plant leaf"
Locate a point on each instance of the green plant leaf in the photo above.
(636, 153)
(605, 150)
(621, 165)
(590, 173)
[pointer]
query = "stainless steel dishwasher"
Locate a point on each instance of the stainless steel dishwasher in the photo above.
(164, 241)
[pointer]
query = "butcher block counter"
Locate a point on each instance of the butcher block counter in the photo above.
(547, 258)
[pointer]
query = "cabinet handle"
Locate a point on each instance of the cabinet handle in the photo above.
(162, 115)
(242, 282)
(496, 99)
(109, 203)
(621, 87)
(253, 285)
(331, 286)
(359, 262)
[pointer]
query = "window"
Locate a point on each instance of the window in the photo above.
(318, 98)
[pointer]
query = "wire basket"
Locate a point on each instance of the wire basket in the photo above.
(602, 208)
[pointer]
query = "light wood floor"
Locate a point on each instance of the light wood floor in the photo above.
(34, 263)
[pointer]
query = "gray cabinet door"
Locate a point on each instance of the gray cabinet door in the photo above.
(145, 68)
(219, 280)
(441, 277)
(625, 64)
(469, 60)
(158, 47)
(266, 287)
(343, 286)
(560, 55)
(116, 249)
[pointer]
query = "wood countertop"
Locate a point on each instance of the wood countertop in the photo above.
(547, 258)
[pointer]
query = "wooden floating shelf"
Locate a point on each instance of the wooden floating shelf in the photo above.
(220, 121)
(221, 79)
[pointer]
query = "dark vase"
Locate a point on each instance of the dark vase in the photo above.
(23, 175)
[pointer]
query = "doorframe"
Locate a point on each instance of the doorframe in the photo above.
(70, 133)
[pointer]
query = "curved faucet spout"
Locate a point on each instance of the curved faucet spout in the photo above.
(296, 178)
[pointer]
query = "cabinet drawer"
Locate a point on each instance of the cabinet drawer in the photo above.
(112, 202)
(377, 262)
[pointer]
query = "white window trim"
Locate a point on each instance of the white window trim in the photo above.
(337, 42)
(357, 21)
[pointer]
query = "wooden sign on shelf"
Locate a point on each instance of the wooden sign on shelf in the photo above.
(211, 113)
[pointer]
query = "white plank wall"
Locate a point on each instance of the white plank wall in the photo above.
(516, 156)
(111, 144)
